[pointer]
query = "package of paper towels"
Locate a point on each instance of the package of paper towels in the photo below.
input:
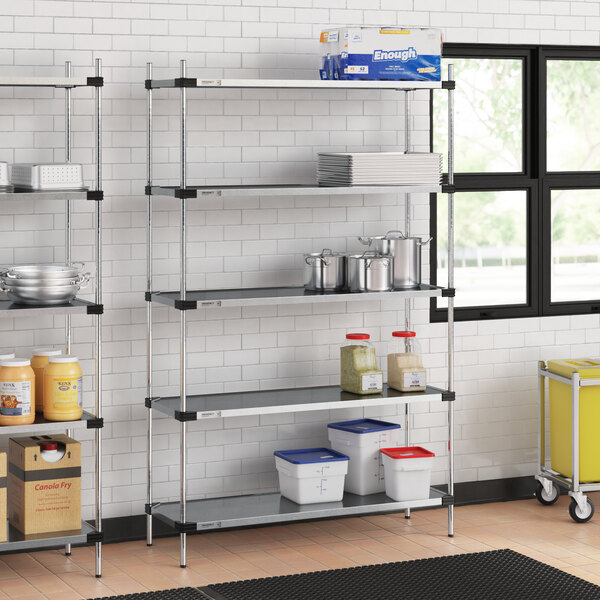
(380, 53)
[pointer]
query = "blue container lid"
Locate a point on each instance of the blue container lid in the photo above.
(363, 426)
(310, 455)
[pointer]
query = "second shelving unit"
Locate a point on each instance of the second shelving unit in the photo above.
(186, 516)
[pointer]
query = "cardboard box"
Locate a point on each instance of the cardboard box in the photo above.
(3, 516)
(43, 496)
(381, 53)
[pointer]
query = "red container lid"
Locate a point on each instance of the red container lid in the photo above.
(47, 446)
(357, 336)
(407, 452)
(404, 334)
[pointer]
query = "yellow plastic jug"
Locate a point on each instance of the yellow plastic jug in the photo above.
(62, 389)
(589, 419)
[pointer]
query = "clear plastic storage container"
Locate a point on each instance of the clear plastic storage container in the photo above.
(405, 367)
(359, 371)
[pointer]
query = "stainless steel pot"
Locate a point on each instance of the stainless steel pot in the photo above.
(406, 252)
(81, 281)
(325, 271)
(41, 296)
(43, 271)
(370, 272)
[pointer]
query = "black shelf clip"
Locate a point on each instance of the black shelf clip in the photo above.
(448, 189)
(448, 85)
(149, 507)
(97, 195)
(185, 416)
(148, 84)
(448, 396)
(447, 500)
(186, 304)
(148, 296)
(95, 309)
(95, 423)
(448, 292)
(95, 81)
(185, 527)
(183, 193)
(148, 401)
(148, 190)
(95, 537)
(186, 82)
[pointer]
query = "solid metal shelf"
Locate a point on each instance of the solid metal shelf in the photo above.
(41, 426)
(239, 404)
(202, 191)
(19, 541)
(282, 295)
(298, 84)
(46, 82)
(12, 309)
(24, 194)
(262, 509)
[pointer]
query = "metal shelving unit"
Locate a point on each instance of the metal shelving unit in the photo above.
(187, 516)
(89, 533)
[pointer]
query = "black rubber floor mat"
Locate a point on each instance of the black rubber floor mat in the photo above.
(175, 594)
(495, 575)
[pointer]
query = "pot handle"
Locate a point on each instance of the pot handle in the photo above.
(385, 262)
(365, 241)
(82, 280)
(402, 236)
(312, 260)
(425, 242)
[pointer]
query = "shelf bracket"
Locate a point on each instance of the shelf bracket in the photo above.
(97, 195)
(184, 193)
(448, 85)
(186, 304)
(148, 401)
(185, 527)
(149, 507)
(95, 309)
(448, 189)
(95, 423)
(448, 292)
(95, 81)
(447, 500)
(448, 396)
(95, 537)
(185, 416)
(186, 82)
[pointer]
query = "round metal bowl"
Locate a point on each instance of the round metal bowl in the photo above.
(42, 296)
(46, 272)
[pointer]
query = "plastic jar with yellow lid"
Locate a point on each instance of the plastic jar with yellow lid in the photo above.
(17, 392)
(62, 389)
(39, 360)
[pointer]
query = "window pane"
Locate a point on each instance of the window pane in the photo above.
(575, 245)
(490, 239)
(488, 115)
(572, 115)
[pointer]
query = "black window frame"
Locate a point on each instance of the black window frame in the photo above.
(534, 179)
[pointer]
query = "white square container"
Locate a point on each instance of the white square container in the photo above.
(49, 176)
(407, 472)
(311, 475)
(3, 174)
(361, 440)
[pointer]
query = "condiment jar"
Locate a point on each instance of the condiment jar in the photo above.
(62, 389)
(39, 360)
(359, 371)
(17, 392)
(405, 368)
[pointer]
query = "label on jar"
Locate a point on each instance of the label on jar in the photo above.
(371, 382)
(414, 379)
(65, 394)
(15, 398)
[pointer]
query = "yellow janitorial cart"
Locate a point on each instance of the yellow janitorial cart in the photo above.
(574, 401)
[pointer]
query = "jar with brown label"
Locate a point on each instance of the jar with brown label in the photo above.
(405, 367)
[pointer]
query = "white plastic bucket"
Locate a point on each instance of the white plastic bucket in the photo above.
(311, 475)
(361, 440)
(407, 472)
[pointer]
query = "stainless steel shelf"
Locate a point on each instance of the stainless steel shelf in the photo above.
(261, 509)
(238, 404)
(290, 190)
(51, 82)
(283, 295)
(12, 309)
(22, 194)
(302, 84)
(41, 426)
(19, 541)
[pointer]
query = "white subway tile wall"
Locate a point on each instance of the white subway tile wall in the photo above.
(253, 136)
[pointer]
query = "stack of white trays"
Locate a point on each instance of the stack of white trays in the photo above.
(378, 168)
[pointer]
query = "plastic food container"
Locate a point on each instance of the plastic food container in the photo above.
(48, 176)
(361, 440)
(39, 360)
(6, 355)
(17, 392)
(311, 475)
(358, 365)
(405, 368)
(407, 472)
(62, 389)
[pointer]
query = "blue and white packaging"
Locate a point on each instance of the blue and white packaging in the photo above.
(381, 53)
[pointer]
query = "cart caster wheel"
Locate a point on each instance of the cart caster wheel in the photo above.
(578, 515)
(544, 498)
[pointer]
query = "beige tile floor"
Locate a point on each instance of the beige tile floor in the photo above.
(545, 533)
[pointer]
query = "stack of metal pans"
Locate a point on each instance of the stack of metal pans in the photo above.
(43, 285)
